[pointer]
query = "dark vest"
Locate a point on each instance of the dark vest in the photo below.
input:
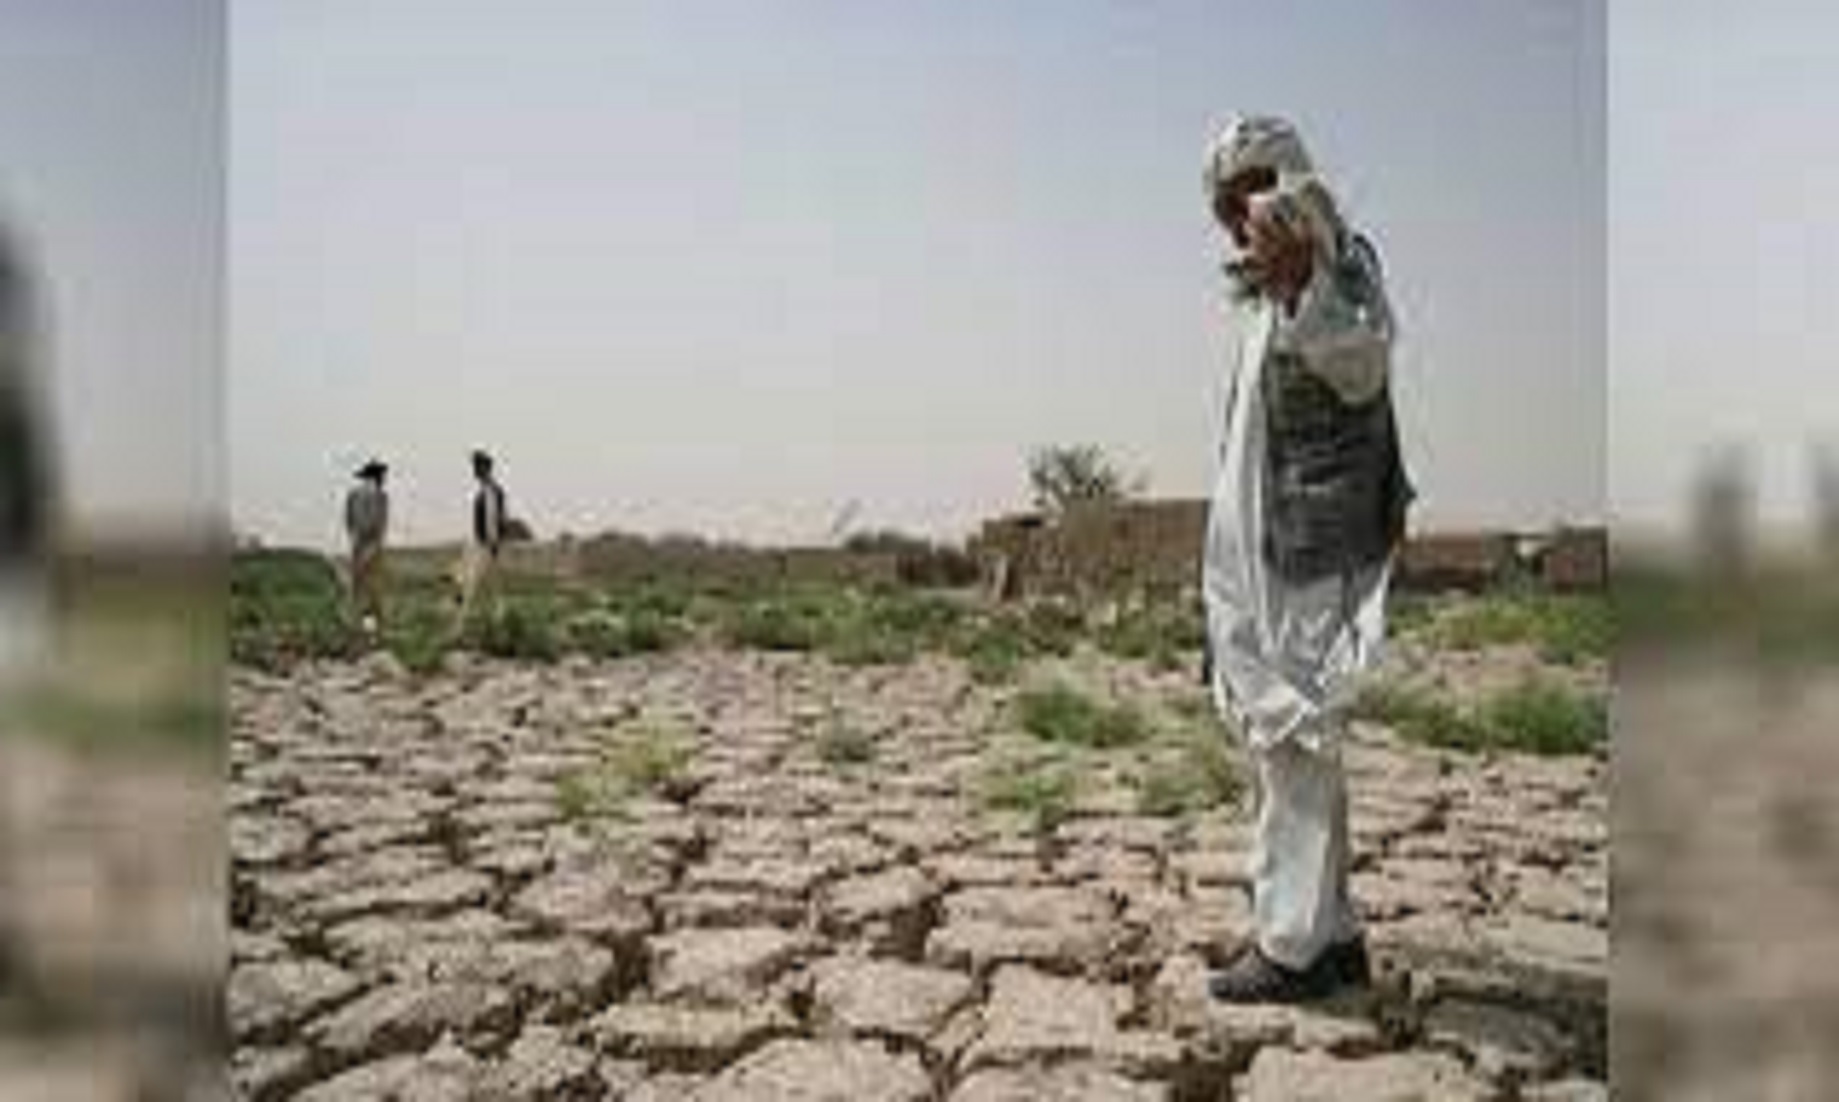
(482, 528)
(1335, 489)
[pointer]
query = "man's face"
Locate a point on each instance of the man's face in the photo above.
(1232, 202)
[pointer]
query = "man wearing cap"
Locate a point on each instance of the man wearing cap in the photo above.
(1307, 511)
(367, 518)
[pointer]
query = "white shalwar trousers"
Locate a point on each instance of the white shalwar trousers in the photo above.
(1300, 855)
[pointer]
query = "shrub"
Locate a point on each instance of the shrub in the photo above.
(1043, 794)
(1418, 717)
(1565, 628)
(418, 637)
(1535, 717)
(1060, 714)
(519, 630)
(1542, 718)
(778, 624)
(841, 744)
(287, 605)
(995, 653)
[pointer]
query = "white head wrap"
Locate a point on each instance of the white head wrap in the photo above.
(1255, 141)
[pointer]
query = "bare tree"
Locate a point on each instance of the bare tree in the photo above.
(1068, 474)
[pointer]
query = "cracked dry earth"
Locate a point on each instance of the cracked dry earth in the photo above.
(415, 917)
(112, 875)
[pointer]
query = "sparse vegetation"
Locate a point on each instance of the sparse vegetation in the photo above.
(1536, 717)
(519, 629)
(1200, 776)
(778, 623)
(588, 794)
(634, 761)
(1061, 714)
(1408, 613)
(1042, 794)
(841, 744)
(1192, 708)
(286, 606)
(618, 633)
(1566, 628)
(994, 653)
(1160, 634)
(649, 758)
(1541, 718)
(1052, 627)
(1418, 717)
(419, 637)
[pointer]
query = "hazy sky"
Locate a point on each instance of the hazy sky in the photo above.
(1724, 246)
(728, 267)
(111, 178)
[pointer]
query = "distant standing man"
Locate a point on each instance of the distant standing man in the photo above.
(1307, 512)
(367, 518)
(479, 563)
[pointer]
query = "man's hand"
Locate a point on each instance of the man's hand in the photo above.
(1280, 256)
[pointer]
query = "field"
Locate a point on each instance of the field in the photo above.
(681, 841)
(112, 851)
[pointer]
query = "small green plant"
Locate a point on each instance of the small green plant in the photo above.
(605, 633)
(1192, 708)
(1576, 629)
(664, 601)
(1565, 628)
(778, 624)
(588, 794)
(1043, 795)
(649, 631)
(417, 636)
(1061, 714)
(520, 630)
(286, 606)
(634, 761)
(862, 644)
(1408, 613)
(995, 654)
(1158, 633)
(1052, 628)
(1418, 717)
(649, 758)
(1541, 718)
(928, 620)
(600, 633)
(1201, 776)
(1536, 717)
(841, 744)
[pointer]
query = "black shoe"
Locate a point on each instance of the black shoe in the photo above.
(1348, 963)
(1253, 977)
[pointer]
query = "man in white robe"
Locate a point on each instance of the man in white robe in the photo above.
(1299, 545)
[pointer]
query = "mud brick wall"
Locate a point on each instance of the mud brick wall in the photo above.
(1156, 547)
(630, 560)
(1152, 546)
(1457, 560)
(1576, 560)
